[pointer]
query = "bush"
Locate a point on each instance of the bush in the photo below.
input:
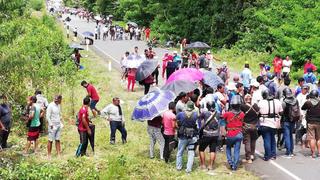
(36, 4)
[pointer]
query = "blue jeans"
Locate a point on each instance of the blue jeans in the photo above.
(288, 137)
(190, 144)
(114, 125)
(269, 142)
(236, 143)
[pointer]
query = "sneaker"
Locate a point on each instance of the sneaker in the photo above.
(112, 142)
(287, 156)
(292, 155)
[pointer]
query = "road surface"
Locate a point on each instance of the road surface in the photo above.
(299, 167)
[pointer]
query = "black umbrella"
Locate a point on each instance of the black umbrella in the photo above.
(198, 45)
(179, 86)
(91, 138)
(145, 69)
(76, 46)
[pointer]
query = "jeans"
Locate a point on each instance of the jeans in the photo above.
(182, 144)
(117, 125)
(84, 137)
(4, 138)
(167, 151)
(269, 142)
(236, 143)
(288, 136)
(155, 135)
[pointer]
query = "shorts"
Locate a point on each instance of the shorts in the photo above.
(313, 131)
(93, 104)
(54, 133)
(212, 142)
(33, 133)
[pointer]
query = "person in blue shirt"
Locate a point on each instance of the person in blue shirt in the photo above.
(309, 77)
(299, 87)
(246, 76)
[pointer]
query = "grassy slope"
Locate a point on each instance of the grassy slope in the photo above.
(128, 161)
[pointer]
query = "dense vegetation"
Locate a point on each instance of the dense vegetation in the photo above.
(288, 27)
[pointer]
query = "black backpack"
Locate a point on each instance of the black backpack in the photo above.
(293, 112)
(188, 132)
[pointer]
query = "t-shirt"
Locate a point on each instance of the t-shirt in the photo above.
(180, 106)
(246, 77)
(234, 123)
(83, 113)
(167, 119)
(251, 113)
(286, 65)
(5, 115)
(93, 92)
(313, 115)
(35, 122)
(113, 113)
(182, 119)
(53, 114)
(264, 106)
(309, 65)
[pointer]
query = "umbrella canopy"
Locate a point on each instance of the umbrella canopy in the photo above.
(180, 86)
(189, 74)
(98, 18)
(132, 24)
(75, 46)
(198, 45)
(152, 105)
(211, 79)
(145, 69)
(88, 34)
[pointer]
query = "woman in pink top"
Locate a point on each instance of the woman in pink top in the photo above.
(131, 78)
(167, 57)
(169, 125)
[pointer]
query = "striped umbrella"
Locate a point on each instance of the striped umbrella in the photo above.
(152, 105)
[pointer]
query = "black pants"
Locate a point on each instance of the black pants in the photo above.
(84, 137)
(41, 128)
(117, 125)
(146, 88)
(280, 139)
(167, 150)
(4, 138)
(156, 75)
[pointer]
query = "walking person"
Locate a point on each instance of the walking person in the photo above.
(131, 78)
(312, 107)
(147, 83)
(34, 119)
(75, 33)
(302, 124)
(246, 76)
(154, 131)
(209, 134)
(43, 103)
(233, 123)
(93, 95)
(270, 113)
(169, 126)
(83, 126)
(55, 126)
(5, 121)
(115, 116)
(291, 115)
(250, 133)
(187, 136)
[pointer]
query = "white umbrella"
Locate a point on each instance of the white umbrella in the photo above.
(98, 18)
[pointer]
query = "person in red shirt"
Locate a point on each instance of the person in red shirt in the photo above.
(147, 32)
(309, 65)
(83, 126)
(234, 122)
(93, 94)
(277, 65)
(131, 78)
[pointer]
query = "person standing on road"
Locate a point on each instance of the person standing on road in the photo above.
(5, 121)
(291, 115)
(246, 77)
(270, 112)
(302, 124)
(83, 126)
(114, 115)
(312, 106)
(154, 131)
(209, 134)
(187, 135)
(250, 122)
(93, 94)
(233, 121)
(53, 116)
(169, 125)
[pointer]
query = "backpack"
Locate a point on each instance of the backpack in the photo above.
(188, 132)
(211, 127)
(294, 112)
(309, 79)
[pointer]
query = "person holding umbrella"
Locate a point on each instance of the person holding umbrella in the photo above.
(114, 115)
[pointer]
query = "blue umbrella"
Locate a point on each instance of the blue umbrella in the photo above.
(145, 69)
(75, 46)
(88, 34)
(152, 105)
(211, 79)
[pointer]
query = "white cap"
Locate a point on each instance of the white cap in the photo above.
(208, 52)
(231, 86)
(175, 52)
(255, 84)
(224, 63)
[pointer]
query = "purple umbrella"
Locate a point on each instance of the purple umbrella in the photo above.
(152, 105)
(189, 74)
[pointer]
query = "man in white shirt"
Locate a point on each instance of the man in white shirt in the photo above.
(114, 115)
(53, 116)
(256, 95)
(182, 103)
(302, 98)
(286, 65)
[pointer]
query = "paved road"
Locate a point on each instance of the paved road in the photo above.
(300, 167)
